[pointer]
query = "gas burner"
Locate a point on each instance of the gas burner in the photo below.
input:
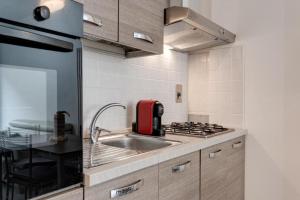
(195, 129)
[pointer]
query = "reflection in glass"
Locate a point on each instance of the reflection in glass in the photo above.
(40, 152)
(28, 98)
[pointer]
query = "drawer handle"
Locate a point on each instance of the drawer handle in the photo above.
(237, 145)
(215, 153)
(181, 167)
(126, 189)
(92, 20)
(142, 36)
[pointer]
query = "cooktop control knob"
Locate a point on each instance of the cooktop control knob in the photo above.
(41, 13)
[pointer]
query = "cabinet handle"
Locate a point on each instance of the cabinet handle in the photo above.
(142, 36)
(181, 167)
(92, 20)
(215, 153)
(126, 189)
(237, 145)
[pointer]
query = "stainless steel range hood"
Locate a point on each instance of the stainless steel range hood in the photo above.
(187, 31)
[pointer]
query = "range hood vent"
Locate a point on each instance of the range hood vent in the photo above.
(187, 31)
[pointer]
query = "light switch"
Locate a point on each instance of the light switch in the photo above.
(178, 93)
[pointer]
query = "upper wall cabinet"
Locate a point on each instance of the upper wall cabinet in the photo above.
(129, 27)
(101, 19)
(141, 24)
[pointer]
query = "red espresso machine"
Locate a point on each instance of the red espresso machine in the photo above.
(148, 118)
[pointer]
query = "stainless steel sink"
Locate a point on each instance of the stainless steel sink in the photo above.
(118, 147)
(140, 144)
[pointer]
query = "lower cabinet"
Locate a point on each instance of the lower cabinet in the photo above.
(140, 185)
(75, 194)
(222, 171)
(179, 178)
(215, 173)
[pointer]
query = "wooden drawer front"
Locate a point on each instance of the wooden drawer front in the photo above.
(104, 12)
(144, 17)
(148, 190)
(76, 194)
(175, 184)
(222, 171)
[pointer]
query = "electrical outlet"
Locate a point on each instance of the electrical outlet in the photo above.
(178, 93)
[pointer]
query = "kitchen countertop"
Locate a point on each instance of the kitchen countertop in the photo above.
(103, 173)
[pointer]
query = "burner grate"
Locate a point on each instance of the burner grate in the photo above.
(198, 129)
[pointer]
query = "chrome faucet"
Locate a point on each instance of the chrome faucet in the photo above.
(96, 131)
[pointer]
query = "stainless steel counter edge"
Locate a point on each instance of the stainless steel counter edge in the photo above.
(101, 174)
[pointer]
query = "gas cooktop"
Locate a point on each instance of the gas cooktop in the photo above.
(195, 129)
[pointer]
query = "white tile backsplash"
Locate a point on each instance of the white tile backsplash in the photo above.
(108, 79)
(216, 85)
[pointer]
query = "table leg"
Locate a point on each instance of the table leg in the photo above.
(1, 171)
(60, 171)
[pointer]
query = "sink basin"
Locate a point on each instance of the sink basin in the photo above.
(118, 147)
(139, 143)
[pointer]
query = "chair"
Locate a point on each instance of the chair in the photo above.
(28, 170)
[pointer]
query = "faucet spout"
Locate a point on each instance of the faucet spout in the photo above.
(93, 129)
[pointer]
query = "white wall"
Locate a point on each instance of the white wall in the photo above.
(268, 31)
(110, 79)
(216, 85)
(201, 6)
(292, 101)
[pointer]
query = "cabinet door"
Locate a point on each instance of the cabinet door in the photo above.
(179, 178)
(101, 19)
(236, 172)
(138, 185)
(222, 171)
(76, 194)
(214, 172)
(142, 24)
